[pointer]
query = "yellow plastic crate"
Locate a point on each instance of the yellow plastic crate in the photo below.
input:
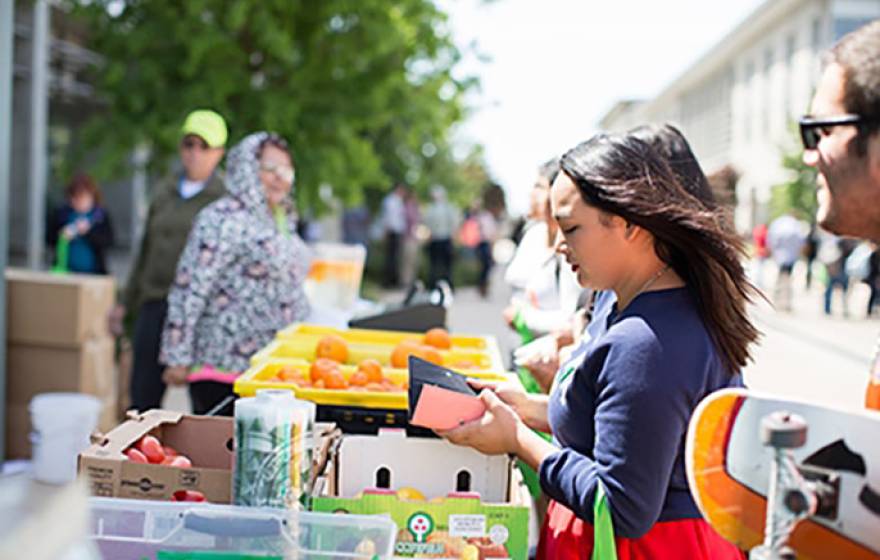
(300, 331)
(262, 376)
(299, 341)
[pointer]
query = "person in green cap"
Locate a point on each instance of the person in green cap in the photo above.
(175, 203)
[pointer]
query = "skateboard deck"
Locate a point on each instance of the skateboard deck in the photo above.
(729, 472)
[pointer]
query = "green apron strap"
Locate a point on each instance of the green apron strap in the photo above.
(603, 530)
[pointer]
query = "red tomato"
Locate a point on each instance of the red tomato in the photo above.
(136, 456)
(170, 451)
(181, 462)
(151, 447)
(188, 496)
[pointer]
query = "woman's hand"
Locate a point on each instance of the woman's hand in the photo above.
(175, 375)
(494, 433)
(543, 368)
(531, 409)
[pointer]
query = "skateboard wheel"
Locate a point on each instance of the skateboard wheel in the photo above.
(796, 502)
(783, 430)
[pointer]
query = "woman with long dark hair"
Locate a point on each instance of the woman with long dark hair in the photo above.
(678, 331)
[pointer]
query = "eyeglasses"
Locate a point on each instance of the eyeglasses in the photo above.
(813, 129)
(283, 172)
(191, 142)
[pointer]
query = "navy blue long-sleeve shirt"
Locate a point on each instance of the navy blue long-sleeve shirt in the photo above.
(620, 417)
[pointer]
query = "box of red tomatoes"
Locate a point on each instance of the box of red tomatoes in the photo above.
(162, 455)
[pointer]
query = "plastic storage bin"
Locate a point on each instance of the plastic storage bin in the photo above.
(334, 279)
(137, 530)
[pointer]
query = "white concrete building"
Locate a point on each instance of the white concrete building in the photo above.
(739, 103)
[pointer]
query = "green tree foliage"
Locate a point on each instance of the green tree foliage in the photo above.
(798, 194)
(363, 89)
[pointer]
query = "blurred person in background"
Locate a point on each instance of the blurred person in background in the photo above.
(240, 278)
(442, 219)
(833, 252)
(393, 219)
(174, 206)
(550, 292)
(80, 232)
(785, 239)
(762, 253)
(409, 262)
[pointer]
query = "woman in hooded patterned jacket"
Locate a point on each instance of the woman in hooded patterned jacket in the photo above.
(240, 278)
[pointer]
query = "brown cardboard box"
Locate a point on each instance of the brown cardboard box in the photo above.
(18, 426)
(31, 370)
(55, 309)
(206, 440)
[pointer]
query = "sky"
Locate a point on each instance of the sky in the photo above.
(556, 66)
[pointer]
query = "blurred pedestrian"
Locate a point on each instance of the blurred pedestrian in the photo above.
(356, 225)
(873, 279)
(785, 239)
(240, 278)
(80, 231)
(442, 219)
(394, 226)
(409, 266)
(176, 201)
(833, 252)
(811, 249)
(762, 253)
(488, 227)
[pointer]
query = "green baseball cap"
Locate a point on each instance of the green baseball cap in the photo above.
(207, 125)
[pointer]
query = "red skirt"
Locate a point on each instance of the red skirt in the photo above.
(566, 537)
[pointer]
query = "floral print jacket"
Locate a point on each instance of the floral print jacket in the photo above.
(240, 279)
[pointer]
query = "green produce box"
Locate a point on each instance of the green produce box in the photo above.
(446, 523)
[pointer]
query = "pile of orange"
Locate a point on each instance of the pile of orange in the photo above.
(327, 374)
(332, 351)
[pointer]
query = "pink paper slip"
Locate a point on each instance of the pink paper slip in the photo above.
(442, 409)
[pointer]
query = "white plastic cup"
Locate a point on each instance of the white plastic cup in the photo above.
(62, 425)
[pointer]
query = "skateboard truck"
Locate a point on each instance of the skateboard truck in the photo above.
(791, 497)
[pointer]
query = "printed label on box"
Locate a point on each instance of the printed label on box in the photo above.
(467, 525)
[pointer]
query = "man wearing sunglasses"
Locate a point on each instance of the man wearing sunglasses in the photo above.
(175, 203)
(841, 139)
(841, 136)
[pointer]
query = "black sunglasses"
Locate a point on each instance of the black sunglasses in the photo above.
(813, 129)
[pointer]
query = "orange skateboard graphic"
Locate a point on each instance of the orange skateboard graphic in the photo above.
(819, 467)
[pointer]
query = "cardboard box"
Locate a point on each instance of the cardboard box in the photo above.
(19, 428)
(206, 440)
(34, 369)
(57, 309)
(475, 506)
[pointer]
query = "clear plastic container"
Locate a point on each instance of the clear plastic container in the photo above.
(334, 279)
(138, 529)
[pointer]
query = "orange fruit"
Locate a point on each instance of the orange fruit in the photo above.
(438, 338)
(335, 380)
(375, 387)
(430, 354)
(319, 384)
(372, 369)
(401, 353)
(332, 347)
(464, 364)
(358, 379)
(290, 373)
(321, 367)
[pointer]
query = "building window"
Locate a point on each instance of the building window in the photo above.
(790, 74)
(816, 35)
(768, 88)
(748, 97)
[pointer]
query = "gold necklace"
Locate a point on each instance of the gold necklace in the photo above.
(650, 281)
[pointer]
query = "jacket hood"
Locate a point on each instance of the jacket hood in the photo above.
(243, 173)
